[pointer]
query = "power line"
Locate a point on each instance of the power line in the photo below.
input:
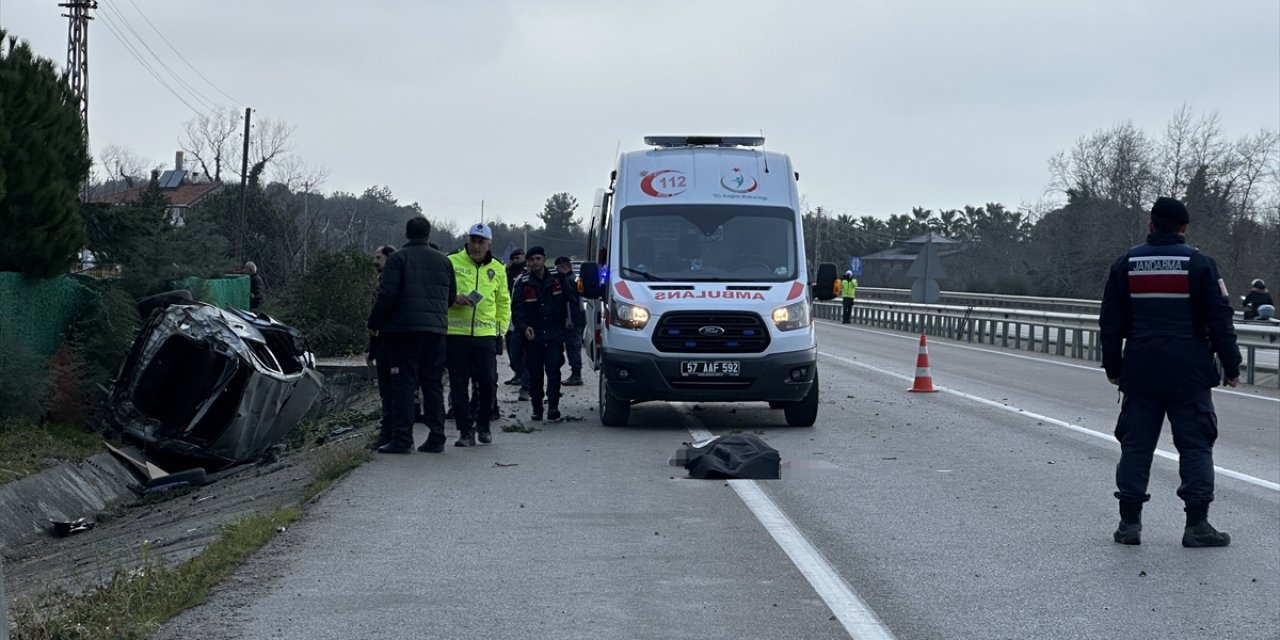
(199, 97)
(182, 57)
(106, 22)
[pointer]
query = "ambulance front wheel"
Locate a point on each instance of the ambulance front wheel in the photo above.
(805, 412)
(614, 411)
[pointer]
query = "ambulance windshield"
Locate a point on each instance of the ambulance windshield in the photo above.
(716, 243)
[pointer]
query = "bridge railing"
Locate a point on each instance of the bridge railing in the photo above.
(1073, 335)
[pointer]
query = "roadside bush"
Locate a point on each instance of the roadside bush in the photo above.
(331, 303)
(88, 360)
(24, 383)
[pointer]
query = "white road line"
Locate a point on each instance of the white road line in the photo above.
(1266, 484)
(951, 345)
(857, 618)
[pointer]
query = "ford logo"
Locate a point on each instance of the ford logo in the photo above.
(711, 330)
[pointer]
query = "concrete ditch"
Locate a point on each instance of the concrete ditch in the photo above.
(65, 492)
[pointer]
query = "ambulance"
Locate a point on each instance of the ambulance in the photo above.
(699, 290)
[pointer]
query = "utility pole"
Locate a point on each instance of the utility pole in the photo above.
(482, 211)
(78, 53)
(78, 64)
(243, 229)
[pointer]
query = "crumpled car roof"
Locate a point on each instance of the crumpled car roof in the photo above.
(216, 386)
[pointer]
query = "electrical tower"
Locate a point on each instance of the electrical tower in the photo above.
(78, 53)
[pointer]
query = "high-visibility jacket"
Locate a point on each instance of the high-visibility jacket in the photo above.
(849, 287)
(493, 314)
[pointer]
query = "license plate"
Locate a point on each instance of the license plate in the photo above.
(710, 368)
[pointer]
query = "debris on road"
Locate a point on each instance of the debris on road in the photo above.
(64, 529)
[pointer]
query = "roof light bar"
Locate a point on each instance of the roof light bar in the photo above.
(704, 141)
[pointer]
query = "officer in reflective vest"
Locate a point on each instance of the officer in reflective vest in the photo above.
(478, 319)
(1165, 314)
(848, 290)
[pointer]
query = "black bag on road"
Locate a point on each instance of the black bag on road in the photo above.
(736, 456)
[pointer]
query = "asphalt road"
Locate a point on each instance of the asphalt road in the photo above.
(982, 511)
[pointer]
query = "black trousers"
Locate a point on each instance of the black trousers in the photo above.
(472, 359)
(573, 350)
(1195, 428)
(848, 310)
(382, 365)
(544, 357)
(416, 361)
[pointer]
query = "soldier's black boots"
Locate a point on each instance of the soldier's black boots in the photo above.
(1199, 533)
(1130, 529)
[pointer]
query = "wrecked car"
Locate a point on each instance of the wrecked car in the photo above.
(211, 386)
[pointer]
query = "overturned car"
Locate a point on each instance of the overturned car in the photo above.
(213, 387)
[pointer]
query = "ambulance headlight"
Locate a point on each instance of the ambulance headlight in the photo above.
(630, 316)
(792, 316)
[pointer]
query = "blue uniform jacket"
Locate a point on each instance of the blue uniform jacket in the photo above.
(1164, 315)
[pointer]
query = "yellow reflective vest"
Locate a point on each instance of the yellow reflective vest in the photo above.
(492, 315)
(849, 287)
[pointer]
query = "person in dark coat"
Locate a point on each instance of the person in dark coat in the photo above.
(542, 313)
(515, 350)
(373, 353)
(1165, 315)
(411, 318)
(255, 287)
(573, 337)
(1256, 297)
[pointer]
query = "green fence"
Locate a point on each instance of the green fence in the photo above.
(36, 312)
(224, 292)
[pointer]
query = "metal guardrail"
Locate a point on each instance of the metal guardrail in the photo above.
(965, 299)
(1073, 335)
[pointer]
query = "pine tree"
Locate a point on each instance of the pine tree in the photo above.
(557, 215)
(43, 160)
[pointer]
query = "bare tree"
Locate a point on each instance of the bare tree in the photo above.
(211, 140)
(121, 164)
(269, 140)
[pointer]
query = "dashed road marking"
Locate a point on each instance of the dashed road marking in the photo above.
(1266, 484)
(854, 615)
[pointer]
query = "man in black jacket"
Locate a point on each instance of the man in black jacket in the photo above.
(543, 305)
(1164, 316)
(411, 318)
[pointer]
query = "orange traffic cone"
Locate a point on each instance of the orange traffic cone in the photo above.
(924, 380)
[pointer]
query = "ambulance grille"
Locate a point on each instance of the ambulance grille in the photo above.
(688, 332)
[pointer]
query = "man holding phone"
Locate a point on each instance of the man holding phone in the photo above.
(479, 315)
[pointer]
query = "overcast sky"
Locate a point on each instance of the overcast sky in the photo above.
(883, 105)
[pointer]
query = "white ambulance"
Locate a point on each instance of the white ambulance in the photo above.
(699, 291)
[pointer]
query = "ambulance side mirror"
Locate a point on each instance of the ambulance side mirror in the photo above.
(589, 280)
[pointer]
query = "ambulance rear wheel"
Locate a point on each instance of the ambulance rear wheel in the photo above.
(805, 412)
(614, 411)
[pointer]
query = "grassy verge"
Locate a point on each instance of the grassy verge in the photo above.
(27, 448)
(327, 464)
(133, 603)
